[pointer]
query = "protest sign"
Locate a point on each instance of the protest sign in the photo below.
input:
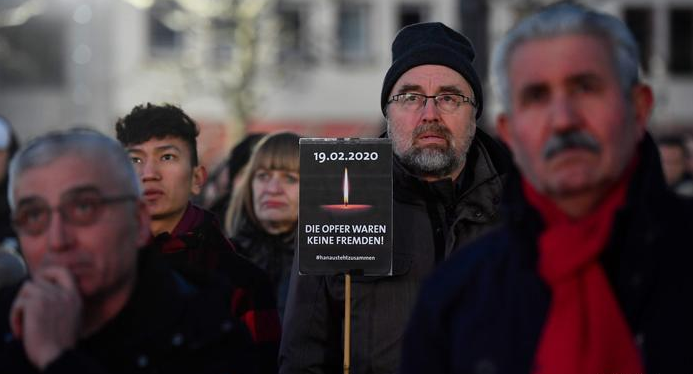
(345, 213)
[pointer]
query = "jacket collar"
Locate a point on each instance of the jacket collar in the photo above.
(192, 218)
(639, 222)
(488, 162)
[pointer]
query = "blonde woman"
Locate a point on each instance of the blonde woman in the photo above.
(263, 212)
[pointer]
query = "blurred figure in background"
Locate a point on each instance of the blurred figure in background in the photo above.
(12, 268)
(675, 157)
(225, 183)
(689, 147)
(263, 211)
(8, 147)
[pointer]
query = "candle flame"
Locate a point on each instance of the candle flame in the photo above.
(345, 187)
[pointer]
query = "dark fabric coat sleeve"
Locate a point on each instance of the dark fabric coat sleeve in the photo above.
(312, 327)
(73, 361)
(424, 349)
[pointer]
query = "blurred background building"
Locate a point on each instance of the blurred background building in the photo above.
(310, 66)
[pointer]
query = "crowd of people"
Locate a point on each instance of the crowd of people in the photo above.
(559, 246)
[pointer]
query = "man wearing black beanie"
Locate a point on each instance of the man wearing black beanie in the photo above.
(447, 187)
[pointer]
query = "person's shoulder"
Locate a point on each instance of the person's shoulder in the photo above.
(12, 267)
(9, 346)
(7, 296)
(241, 270)
(230, 262)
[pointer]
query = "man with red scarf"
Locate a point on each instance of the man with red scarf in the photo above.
(590, 271)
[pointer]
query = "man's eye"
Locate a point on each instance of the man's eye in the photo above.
(31, 215)
(168, 157)
(410, 98)
(136, 160)
(447, 98)
(82, 208)
(534, 95)
(585, 86)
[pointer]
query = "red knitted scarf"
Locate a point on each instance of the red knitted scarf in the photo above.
(585, 331)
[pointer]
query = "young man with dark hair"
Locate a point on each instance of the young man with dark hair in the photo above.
(161, 141)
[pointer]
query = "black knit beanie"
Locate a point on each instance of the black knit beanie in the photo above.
(435, 44)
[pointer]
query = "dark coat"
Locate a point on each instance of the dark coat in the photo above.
(272, 253)
(483, 311)
(199, 250)
(167, 326)
(430, 220)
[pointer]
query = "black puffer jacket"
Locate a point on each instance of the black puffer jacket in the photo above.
(430, 220)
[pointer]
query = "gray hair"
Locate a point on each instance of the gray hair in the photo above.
(562, 19)
(87, 143)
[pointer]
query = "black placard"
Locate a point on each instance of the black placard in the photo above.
(345, 213)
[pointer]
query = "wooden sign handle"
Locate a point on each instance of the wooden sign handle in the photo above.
(347, 322)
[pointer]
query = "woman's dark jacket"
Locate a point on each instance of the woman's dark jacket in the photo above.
(272, 253)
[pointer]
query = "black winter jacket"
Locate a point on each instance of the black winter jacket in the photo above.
(167, 326)
(430, 220)
(272, 253)
(199, 250)
(483, 311)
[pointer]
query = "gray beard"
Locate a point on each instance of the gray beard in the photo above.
(431, 161)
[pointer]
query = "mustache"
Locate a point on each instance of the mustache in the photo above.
(433, 127)
(570, 140)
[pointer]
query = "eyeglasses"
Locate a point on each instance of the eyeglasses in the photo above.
(81, 208)
(446, 103)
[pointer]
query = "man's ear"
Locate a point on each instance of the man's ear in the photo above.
(502, 129)
(199, 177)
(643, 102)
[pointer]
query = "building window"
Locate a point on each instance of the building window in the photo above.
(353, 33)
(639, 20)
(292, 36)
(410, 14)
(681, 40)
(33, 54)
(164, 38)
(224, 31)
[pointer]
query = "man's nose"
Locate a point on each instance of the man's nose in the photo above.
(58, 233)
(564, 114)
(149, 170)
(430, 111)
